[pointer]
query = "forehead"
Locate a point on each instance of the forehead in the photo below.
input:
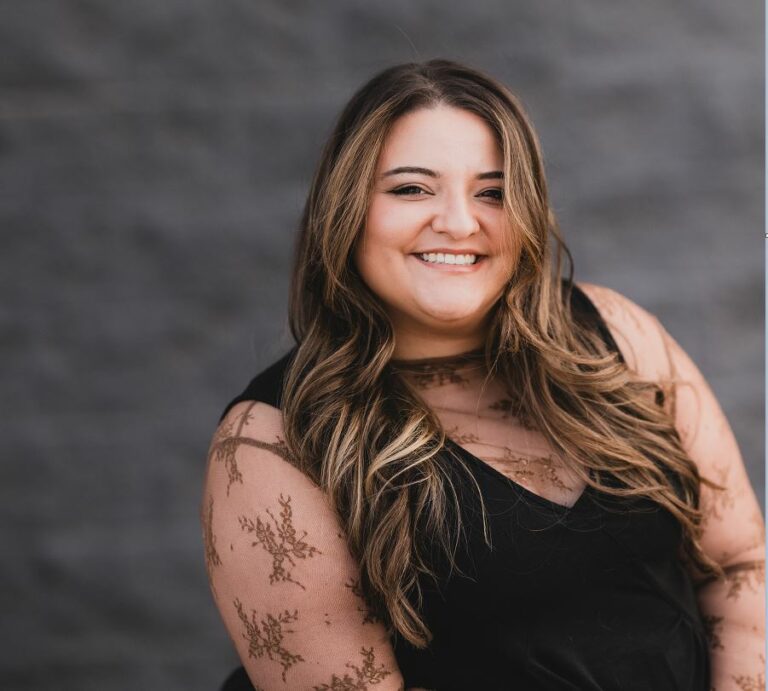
(444, 137)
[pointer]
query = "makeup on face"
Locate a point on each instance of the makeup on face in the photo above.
(432, 244)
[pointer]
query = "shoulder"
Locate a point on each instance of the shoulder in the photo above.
(249, 469)
(248, 451)
(638, 332)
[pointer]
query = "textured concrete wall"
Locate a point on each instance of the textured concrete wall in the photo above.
(154, 156)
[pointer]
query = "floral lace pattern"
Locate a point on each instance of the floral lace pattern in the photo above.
(288, 589)
(478, 415)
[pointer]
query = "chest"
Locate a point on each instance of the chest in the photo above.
(543, 555)
(482, 423)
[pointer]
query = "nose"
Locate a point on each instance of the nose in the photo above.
(455, 217)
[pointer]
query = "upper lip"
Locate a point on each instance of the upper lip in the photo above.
(451, 250)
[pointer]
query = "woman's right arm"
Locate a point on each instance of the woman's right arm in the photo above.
(279, 568)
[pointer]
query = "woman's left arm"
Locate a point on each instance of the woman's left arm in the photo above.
(733, 528)
(733, 534)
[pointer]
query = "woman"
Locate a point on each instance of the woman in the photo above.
(471, 473)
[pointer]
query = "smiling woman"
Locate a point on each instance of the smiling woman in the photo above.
(472, 472)
(422, 222)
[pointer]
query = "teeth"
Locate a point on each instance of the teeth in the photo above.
(441, 258)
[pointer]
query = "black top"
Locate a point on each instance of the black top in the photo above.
(585, 598)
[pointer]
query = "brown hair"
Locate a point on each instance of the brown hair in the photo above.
(367, 439)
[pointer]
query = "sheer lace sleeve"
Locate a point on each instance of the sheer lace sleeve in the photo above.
(279, 569)
(733, 530)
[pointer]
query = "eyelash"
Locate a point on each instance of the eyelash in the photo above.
(402, 191)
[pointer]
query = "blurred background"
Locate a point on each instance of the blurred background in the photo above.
(154, 158)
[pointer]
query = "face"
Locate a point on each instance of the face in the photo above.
(437, 197)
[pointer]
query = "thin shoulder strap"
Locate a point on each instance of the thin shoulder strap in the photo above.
(267, 386)
(584, 310)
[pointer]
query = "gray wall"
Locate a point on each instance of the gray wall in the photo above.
(154, 156)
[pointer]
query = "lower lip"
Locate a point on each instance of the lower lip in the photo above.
(453, 268)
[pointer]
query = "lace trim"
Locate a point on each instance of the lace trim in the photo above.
(431, 372)
(472, 358)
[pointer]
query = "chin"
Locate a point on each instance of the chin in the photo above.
(450, 316)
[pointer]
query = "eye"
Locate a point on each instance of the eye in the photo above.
(408, 190)
(495, 193)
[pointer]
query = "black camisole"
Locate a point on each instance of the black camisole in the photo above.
(591, 597)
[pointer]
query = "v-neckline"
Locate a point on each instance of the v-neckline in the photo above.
(520, 489)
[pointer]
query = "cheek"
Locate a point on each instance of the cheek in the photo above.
(371, 257)
(390, 225)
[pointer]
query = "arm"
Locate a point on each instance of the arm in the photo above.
(279, 569)
(733, 532)
(733, 526)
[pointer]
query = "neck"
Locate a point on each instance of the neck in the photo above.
(441, 349)
(415, 344)
(435, 372)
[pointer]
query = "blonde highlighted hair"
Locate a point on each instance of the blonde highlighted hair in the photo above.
(367, 439)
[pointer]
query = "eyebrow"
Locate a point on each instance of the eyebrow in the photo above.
(490, 175)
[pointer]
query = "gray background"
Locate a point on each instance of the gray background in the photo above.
(154, 157)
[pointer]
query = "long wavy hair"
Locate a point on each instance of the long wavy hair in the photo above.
(364, 435)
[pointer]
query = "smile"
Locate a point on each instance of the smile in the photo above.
(462, 263)
(441, 258)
